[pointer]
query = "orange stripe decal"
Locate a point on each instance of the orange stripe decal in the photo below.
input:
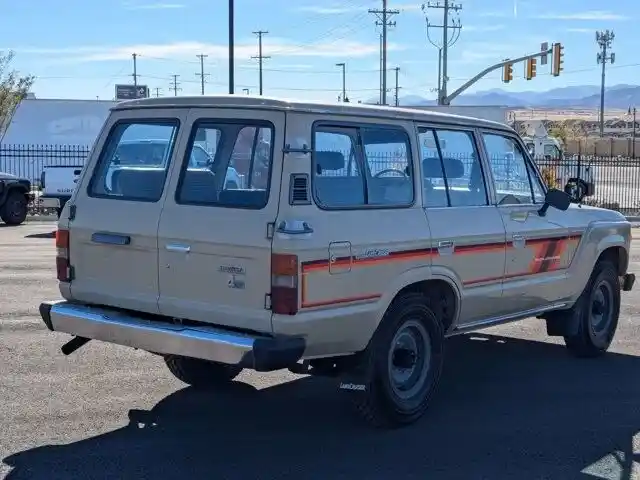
(547, 258)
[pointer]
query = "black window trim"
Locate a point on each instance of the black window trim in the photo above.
(202, 122)
(528, 161)
(361, 160)
(470, 131)
(165, 121)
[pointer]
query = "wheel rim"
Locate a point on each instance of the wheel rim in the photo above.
(409, 359)
(601, 308)
(15, 209)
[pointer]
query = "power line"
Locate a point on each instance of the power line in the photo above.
(157, 89)
(604, 40)
(446, 7)
(260, 57)
(383, 16)
(174, 85)
(202, 75)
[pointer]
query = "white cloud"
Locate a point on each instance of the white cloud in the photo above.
(153, 6)
(581, 30)
(587, 15)
(482, 28)
(181, 50)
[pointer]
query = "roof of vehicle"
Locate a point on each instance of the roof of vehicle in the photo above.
(272, 103)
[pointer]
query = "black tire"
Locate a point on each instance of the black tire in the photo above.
(15, 208)
(380, 403)
(599, 300)
(201, 373)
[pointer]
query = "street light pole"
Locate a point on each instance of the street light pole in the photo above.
(633, 135)
(344, 80)
(231, 48)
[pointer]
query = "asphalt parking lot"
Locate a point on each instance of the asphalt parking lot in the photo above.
(513, 404)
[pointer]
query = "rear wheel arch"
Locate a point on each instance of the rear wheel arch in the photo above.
(444, 294)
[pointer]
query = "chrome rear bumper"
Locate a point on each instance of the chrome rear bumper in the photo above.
(262, 353)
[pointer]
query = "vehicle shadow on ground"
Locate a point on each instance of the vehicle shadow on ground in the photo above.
(507, 408)
(51, 234)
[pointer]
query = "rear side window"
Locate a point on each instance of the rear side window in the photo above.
(134, 161)
(228, 164)
(359, 166)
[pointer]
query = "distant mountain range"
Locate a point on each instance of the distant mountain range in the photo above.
(584, 96)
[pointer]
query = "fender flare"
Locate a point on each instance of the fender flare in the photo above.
(415, 275)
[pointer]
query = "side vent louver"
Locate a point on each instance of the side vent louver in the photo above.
(299, 189)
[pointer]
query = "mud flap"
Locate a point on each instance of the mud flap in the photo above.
(356, 380)
(567, 323)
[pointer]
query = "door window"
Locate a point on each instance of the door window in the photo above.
(452, 175)
(516, 180)
(134, 161)
(362, 166)
(227, 165)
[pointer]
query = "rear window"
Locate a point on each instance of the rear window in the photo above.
(134, 161)
(234, 166)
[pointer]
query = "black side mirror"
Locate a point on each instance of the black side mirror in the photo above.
(555, 198)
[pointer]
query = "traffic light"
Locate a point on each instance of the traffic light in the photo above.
(558, 59)
(530, 68)
(507, 73)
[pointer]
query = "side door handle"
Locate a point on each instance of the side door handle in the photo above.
(519, 240)
(446, 247)
(177, 247)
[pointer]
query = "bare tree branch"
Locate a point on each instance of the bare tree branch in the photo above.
(13, 89)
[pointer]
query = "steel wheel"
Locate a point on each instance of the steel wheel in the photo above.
(409, 360)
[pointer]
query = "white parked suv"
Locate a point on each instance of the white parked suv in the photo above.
(362, 237)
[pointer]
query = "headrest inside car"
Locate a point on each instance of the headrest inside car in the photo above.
(329, 160)
(432, 168)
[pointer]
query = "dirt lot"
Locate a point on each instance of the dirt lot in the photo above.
(513, 404)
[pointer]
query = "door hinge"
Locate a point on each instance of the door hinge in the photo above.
(267, 301)
(271, 227)
(72, 212)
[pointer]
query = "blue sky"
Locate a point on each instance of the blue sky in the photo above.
(80, 49)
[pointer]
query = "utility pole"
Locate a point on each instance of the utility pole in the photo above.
(383, 16)
(260, 57)
(175, 85)
(397, 70)
(135, 69)
(604, 40)
(633, 138)
(157, 89)
(451, 34)
(202, 75)
(231, 48)
(381, 70)
(344, 81)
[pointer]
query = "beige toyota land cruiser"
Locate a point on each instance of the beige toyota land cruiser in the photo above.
(359, 238)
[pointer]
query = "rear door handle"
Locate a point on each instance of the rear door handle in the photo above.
(177, 247)
(519, 240)
(446, 247)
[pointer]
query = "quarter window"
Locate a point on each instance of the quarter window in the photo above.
(362, 166)
(134, 161)
(228, 165)
(451, 171)
(515, 179)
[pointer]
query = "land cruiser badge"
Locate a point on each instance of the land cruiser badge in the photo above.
(236, 276)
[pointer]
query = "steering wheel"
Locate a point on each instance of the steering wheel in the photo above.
(390, 170)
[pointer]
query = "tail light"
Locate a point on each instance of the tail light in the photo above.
(63, 267)
(284, 284)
